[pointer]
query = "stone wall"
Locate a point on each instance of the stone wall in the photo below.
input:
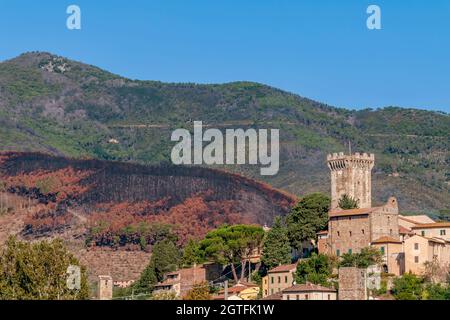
(384, 221)
(352, 284)
(122, 266)
(348, 232)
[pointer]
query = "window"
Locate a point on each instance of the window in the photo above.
(382, 250)
(338, 252)
(271, 279)
(390, 231)
(285, 279)
(350, 218)
(329, 297)
(423, 233)
(416, 259)
(443, 233)
(306, 297)
(416, 246)
(298, 297)
(362, 231)
(339, 234)
(288, 297)
(350, 233)
(271, 291)
(279, 279)
(349, 251)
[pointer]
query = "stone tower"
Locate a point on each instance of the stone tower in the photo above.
(105, 287)
(351, 175)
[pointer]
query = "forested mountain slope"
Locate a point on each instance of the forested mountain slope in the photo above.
(55, 105)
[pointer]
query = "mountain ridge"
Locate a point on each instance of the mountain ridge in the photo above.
(52, 104)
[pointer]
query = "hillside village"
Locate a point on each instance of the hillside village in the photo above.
(411, 245)
(326, 248)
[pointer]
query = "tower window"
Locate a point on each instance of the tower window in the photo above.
(350, 233)
(443, 233)
(416, 259)
(423, 233)
(416, 246)
(362, 231)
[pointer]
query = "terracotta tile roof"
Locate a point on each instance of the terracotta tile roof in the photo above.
(386, 240)
(437, 240)
(308, 287)
(416, 219)
(432, 225)
(403, 230)
(167, 282)
(247, 284)
(283, 268)
(351, 212)
(239, 287)
(273, 297)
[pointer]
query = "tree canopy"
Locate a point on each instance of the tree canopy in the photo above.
(367, 257)
(307, 218)
(316, 269)
(38, 271)
(276, 249)
(229, 245)
(408, 287)
(192, 254)
(200, 291)
(346, 202)
(165, 258)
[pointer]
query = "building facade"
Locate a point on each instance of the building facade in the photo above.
(309, 291)
(278, 279)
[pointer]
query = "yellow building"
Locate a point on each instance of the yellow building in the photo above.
(240, 291)
(419, 250)
(433, 230)
(392, 254)
(279, 278)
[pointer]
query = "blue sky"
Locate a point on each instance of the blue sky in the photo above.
(319, 49)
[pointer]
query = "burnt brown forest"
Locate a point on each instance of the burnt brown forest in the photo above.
(123, 205)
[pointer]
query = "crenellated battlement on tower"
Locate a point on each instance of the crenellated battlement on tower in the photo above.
(340, 161)
(351, 175)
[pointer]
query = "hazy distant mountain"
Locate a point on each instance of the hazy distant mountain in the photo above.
(55, 105)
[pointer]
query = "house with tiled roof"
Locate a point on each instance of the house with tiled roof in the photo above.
(309, 291)
(240, 291)
(278, 279)
(420, 249)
